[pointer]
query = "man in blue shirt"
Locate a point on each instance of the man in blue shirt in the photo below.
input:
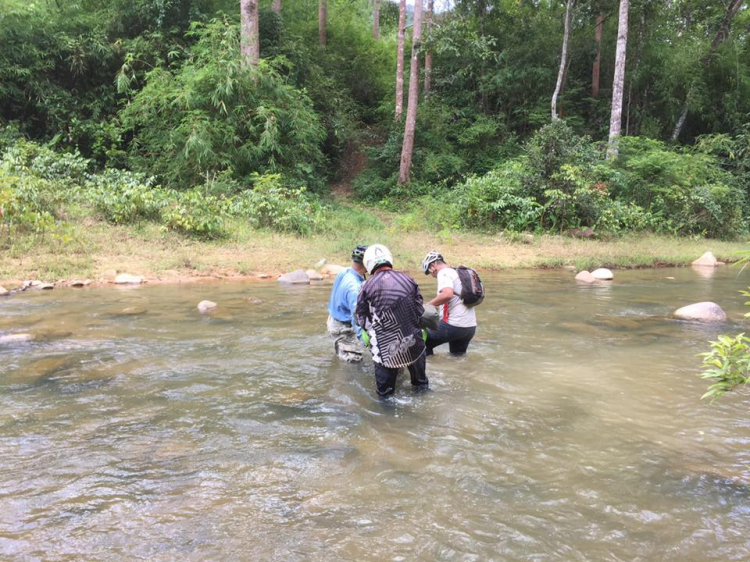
(342, 325)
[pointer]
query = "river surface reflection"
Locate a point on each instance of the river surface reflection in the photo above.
(135, 428)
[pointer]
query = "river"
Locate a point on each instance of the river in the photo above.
(135, 428)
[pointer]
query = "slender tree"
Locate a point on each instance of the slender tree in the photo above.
(721, 34)
(400, 59)
(322, 22)
(428, 54)
(563, 58)
(276, 6)
(411, 110)
(597, 58)
(250, 43)
(376, 19)
(615, 120)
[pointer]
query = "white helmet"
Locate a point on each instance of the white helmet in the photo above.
(431, 257)
(376, 255)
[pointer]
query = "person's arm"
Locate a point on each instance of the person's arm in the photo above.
(443, 297)
(351, 297)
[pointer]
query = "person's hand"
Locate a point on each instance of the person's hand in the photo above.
(365, 338)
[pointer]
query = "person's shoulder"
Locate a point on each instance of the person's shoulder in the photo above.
(448, 272)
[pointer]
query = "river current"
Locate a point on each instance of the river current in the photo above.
(135, 428)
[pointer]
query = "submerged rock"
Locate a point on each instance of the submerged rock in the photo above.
(253, 300)
(314, 275)
(296, 277)
(126, 279)
(16, 338)
(131, 311)
(603, 274)
(206, 306)
(706, 260)
(702, 312)
(585, 277)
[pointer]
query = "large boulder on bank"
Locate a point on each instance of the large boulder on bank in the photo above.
(296, 277)
(331, 269)
(702, 312)
(585, 277)
(126, 279)
(603, 274)
(3, 291)
(314, 275)
(706, 260)
(206, 306)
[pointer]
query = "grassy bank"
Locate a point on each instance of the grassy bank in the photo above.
(95, 250)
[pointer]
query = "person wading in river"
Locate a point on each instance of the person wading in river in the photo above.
(459, 322)
(389, 307)
(341, 325)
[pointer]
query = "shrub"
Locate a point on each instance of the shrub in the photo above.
(215, 116)
(124, 197)
(272, 205)
(194, 213)
(498, 200)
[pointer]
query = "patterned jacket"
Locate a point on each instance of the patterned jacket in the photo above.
(389, 307)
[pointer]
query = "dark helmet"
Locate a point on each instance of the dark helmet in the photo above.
(358, 254)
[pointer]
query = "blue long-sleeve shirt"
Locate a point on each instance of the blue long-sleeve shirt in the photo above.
(343, 302)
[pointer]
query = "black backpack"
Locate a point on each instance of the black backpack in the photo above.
(472, 289)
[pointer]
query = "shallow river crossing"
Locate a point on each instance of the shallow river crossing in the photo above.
(135, 428)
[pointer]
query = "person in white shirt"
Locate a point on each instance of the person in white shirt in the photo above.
(458, 322)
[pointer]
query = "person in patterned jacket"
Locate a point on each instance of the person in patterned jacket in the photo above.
(389, 307)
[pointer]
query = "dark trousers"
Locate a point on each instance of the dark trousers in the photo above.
(457, 338)
(385, 377)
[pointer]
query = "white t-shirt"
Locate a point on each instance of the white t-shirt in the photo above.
(454, 312)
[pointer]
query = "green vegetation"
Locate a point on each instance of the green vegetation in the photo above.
(727, 365)
(141, 115)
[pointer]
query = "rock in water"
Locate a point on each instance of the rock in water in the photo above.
(3, 291)
(702, 312)
(296, 277)
(585, 277)
(16, 338)
(314, 275)
(125, 279)
(603, 274)
(331, 269)
(706, 260)
(206, 306)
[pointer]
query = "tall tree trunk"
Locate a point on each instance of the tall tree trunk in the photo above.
(598, 58)
(563, 58)
(322, 22)
(721, 34)
(376, 20)
(400, 60)
(428, 54)
(276, 6)
(615, 120)
(250, 40)
(411, 110)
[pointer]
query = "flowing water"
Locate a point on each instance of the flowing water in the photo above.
(135, 428)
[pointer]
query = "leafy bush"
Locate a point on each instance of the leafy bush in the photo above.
(271, 205)
(498, 200)
(691, 190)
(194, 213)
(215, 116)
(124, 197)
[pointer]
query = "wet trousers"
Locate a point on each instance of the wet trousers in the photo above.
(385, 377)
(457, 338)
